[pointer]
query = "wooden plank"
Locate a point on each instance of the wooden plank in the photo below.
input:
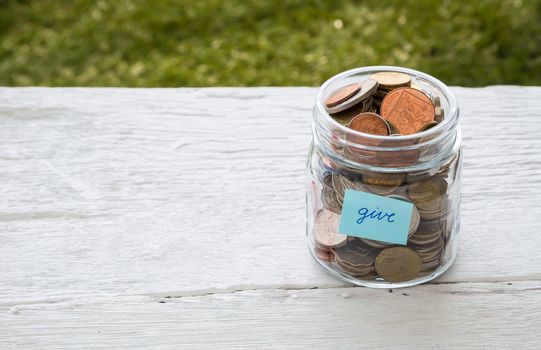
(445, 316)
(189, 191)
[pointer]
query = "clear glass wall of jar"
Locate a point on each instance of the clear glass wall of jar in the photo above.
(422, 168)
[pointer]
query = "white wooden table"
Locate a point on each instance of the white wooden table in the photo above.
(174, 218)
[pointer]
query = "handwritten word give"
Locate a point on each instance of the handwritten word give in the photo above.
(374, 214)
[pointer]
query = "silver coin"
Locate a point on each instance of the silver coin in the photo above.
(368, 88)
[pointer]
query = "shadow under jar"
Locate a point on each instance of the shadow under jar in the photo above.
(422, 168)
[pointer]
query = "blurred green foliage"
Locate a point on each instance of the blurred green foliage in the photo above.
(249, 43)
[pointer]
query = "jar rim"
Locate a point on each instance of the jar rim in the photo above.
(450, 118)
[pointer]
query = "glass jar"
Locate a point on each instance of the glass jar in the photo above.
(422, 168)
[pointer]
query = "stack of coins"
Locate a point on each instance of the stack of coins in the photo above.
(357, 258)
(428, 236)
(326, 235)
(385, 104)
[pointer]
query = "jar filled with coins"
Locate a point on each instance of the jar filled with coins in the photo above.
(384, 168)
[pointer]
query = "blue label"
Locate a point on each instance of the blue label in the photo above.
(375, 217)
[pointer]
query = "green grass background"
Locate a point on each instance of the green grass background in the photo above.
(254, 43)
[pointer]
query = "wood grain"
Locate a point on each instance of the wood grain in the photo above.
(127, 194)
(449, 316)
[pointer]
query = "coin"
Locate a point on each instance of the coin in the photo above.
(327, 180)
(381, 184)
(359, 272)
(342, 94)
(438, 111)
(381, 190)
(429, 125)
(427, 266)
(345, 116)
(416, 87)
(380, 94)
(382, 179)
(415, 217)
(369, 123)
(356, 253)
(428, 251)
(392, 128)
(324, 254)
(428, 194)
(408, 109)
(436, 214)
(329, 200)
(376, 244)
(326, 230)
(338, 187)
(353, 184)
(447, 253)
(398, 264)
(439, 225)
(391, 80)
(421, 238)
(368, 87)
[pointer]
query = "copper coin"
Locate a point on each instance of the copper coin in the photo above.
(408, 109)
(342, 94)
(324, 254)
(398, 264)
(369, 123)
(326, 230)
(391, 80)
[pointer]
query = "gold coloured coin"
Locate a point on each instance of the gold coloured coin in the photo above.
(398, 264)
(382, 180)
(391, 80)
(428, 195)
(381, 184)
